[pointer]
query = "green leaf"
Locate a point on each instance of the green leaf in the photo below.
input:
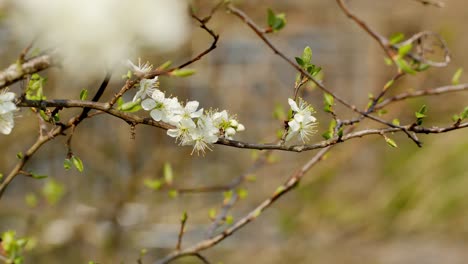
(396, 122)
(391, 142)
(388, 61)
(464, 114)
(34, 91)
(165, 65)
(404, 66)
(168, 173)
(153, 184)
(53, 191)
(394, 39)
(421, 114)
(455, 118)
(229, 220)
(173, 194)
(382, 112)
(242, 193)
(38, 176)
(183, 72)
(422, 67)
(31, 200)
(212, 214)
(388, 84)
(130, 106)
(83, 94)
(299, 61)
(120, 102)
(327, 135)
(19, 155)
(271, 18)
(77, 163)
(405, 49)
(67, 163)
(227, 196)
(307, 54)
(456, 76)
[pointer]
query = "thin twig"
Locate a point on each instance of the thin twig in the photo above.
(183, 220)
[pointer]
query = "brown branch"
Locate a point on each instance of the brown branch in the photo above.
(432, 3)
(261, 34)
(426, 92)
(290, 184)
(383, 42)
(133, 119)
(16, 72)
(183, 221)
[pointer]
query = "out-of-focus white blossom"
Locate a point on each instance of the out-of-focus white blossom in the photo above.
(302, 123)
(92, 35)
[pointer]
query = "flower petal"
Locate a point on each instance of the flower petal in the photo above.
(148, 104)
(156, 114)
(191, 106)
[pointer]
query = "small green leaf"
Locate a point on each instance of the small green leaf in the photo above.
(165, 65)
(307, 55)
(299, 61)
(394, 39)
(464, 114)
(328, 99)
(31, 200)
(382, 112)
(396, 122)
(271, 18)
(183, 72)
(83, 94)
(421, 114)
(1, 176)
(403, 50)
(120, 102)
(212, 214)
(19, 155)
(251, 177)
(38, 176)
(422, 67)
(173, 194)
(327, 135)
(53, 191)
(404, 66)
(229, 220)
(242, 193)
(184, 217)
(388, 61)
(455, 118)
(391, 142)
(168, 173)
(227, 196)
(67, 163)
(153, 184)
(77, 163)
(388, 84)
(456, 76)
(130, 106)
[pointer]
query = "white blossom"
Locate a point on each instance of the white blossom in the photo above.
(303, 123)
(183, 131)
(147, 87)
(141, 69)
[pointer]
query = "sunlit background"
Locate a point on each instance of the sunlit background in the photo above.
(366, 203)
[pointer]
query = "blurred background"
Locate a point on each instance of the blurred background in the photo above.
(366, 203)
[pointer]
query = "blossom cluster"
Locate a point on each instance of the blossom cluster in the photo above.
(7, 107)
(302, 123)
(192, 126)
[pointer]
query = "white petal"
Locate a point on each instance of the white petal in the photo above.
(191, 106)
(148, 104)
(139, 94)
(156, 114)
(157, 95)
(6, 123)
(230, 131)
(7, 107)
(240, 127)
(8, 96)
(197, 114)
(294, 125)
(293, 105)
(173, 132)
(233, 122)
(299, 118)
